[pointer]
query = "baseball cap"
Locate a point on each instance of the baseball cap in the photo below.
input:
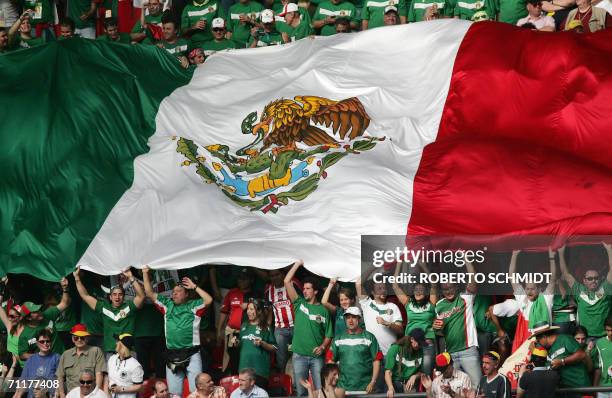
(29, 307)
(443, 360)
(390, 8)
(267, 16)
(79, 330)
(352, 311)
(126, 339)
(218, 23)
(289, 7)
(480, 16)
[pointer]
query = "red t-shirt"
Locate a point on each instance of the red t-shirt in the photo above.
(232, 305)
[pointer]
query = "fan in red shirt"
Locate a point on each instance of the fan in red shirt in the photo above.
(230, 319)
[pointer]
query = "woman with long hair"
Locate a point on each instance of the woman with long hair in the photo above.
(329, 380)
(256, 343)
(403, 364)
(125, 374)
(13, 322)
(421, 313)
(346, 298)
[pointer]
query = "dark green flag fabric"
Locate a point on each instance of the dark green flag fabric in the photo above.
(73, 116)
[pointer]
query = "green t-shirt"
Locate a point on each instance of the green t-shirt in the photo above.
(459, 327)
(29, 43)
(178, 48)
(76, 8)
(465, 9)
(90, 318)
(149, 19)
(311, 325)
(124, 38)
(211, 47)
(559, 308)
(340, 322)
(208, 10)
(604, 357)
(42, 11)
(252, 356)
(66, 320)
(182, 322)
(481, 305)
(574, 375)
(356, 354)
(402, 363)
(417, 9)
(27, 338)
(304, 29)
(116, 321)
(593, 307)
(421, 317)
(241, 32)
(510, 11)
(374, 11)
(344, 9)
(266, 39)
(149, 322)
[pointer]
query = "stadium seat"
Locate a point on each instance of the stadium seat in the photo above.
(147, 388)
(280, 385)
(230, 383)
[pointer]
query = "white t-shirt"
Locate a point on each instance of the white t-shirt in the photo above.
(521, 303)
(124, 374)
(389, 312)
(76, 393)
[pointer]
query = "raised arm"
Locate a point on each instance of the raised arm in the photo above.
(563, 266)
(148, 288)
(401, 295)
(140, 294)
(291, 293)
(550, 289)
(3, 316)
(471, 287)
(325, 299)
(189, 284)
(433, 289)
(89, 300)
(516, 287)
(608, 248)
(65, 301)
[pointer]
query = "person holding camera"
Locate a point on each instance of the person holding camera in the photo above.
(329, 11)
(535, 378)
(182, 323)
(265, 34)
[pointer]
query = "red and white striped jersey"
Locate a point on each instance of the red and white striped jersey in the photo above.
(281, 305)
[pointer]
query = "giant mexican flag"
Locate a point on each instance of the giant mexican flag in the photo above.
(112, 156)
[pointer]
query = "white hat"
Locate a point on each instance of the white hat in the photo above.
(267, 16)
(218, 23)
(352, 311)
(290, 7)
(390, 8)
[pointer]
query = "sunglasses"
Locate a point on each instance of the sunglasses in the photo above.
(78, 338)
(218, 30)
(86, 382)
(591, 278)
(44, 341)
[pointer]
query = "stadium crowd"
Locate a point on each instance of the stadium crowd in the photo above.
(193, 30)
(218, 331)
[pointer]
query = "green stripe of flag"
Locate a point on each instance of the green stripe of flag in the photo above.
(73, 116)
